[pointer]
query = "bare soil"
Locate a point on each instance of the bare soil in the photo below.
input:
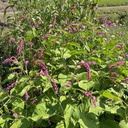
(9, 11)
(3, 5)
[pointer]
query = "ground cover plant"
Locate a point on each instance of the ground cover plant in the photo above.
(61, 68)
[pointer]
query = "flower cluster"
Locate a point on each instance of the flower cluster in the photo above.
(43, 66)
(69, 83)
(26, 96)
(10, 87)
(21, 42)
(16, 115)
(11, 59)
(121, 46)
(12, 40)
(54, 85)
(117, 64)
(91, 97)
(85, 64)
(34, 101)
(114, 75)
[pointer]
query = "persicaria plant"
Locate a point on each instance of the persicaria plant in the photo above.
(62, 69)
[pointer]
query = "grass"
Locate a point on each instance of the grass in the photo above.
(113, 13)
(113, 2)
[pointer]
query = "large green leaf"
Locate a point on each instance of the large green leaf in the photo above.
(71, 116)
(109, 95)
(123, 124)
(60, 125)
(81, 76)
(62, 78)
(43, 111)
(108, 123)
(86, 85)
(9, 78)
(66, 55)
(17, 104)
(2, 121)
(3, 95)
(88, 121)
(29, 36)
(68, 115)
(76, 52)
(21, 123)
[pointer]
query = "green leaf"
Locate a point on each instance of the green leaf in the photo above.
(21, 84)
(109, 95)
(82, 76)
(66, 55)
(29, 36)
(107, 123)
(76, 52)
(39, 113)
(62, 78)
(17, 104)
(16, 124)
(9, 78)
(60, 125)
(73, 44)
(88, 121)
(6, 109)
(3, 95)
(86, 85)
(42, 111)
(67, 116)
(70, 116)
(21, 123)
(2, 121)
(123, 124)
(24, 90)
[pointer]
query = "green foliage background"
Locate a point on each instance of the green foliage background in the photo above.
(63, 33)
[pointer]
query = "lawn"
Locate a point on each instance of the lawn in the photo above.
(113, 2)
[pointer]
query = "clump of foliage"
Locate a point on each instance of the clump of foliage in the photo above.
(61, 68)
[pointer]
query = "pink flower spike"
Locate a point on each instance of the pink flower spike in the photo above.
(69, 83)
(91, 97)
(16, 115)
(54, 22)
(65, 21)
(41, 53)
(87, 67)
(111, 67)
(54, 85)
(10, 87)
(6, 61)
(30, 44)
(26, 96)
(43, 66)
(20, 46)
(82, 26)
(120, 33)
(91, 62)
(12, 40)
(35, 100)
(126, 80)
(120, 63)
(26, 62)
(13, 59)
(114, 75)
